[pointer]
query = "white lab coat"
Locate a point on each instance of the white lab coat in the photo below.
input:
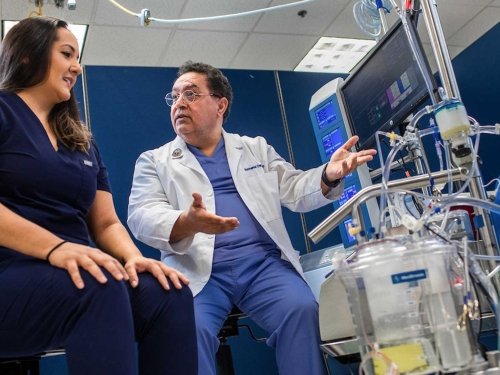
(165, 178)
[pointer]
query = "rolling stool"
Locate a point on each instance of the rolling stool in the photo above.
(29, 365)
(230, 328)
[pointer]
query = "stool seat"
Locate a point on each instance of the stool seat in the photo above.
(228, 329)
(230, 326)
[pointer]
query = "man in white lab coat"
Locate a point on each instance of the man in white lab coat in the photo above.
(210, 201)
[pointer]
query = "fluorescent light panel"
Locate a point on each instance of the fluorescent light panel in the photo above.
(80, 32)
(334, 55)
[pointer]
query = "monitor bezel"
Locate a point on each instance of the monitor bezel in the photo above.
(387, 126)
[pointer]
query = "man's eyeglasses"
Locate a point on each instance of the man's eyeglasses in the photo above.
(188, 96)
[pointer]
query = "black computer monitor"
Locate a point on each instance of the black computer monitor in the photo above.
(386, 86)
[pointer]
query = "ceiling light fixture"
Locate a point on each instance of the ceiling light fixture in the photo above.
(334, 55)
(80, 32)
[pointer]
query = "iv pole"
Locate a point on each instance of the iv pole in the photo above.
(450, 86)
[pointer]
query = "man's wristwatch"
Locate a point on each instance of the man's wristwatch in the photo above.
(327, 182)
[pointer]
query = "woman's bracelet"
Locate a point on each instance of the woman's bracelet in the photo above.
(54, 248)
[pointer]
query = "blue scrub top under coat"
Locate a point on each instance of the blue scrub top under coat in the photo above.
(249, 237)
(54, 189)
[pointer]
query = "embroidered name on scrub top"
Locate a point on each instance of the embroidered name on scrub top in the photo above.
(254, 167)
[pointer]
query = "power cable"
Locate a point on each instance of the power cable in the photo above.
(145, 14)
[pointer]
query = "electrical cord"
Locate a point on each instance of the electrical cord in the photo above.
(146, 18)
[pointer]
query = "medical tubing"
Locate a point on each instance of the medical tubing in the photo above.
(424, 111)
(467, 283)
(486, 257)
(439, 152)
(395, 6)
(488, 288)
(380, 154)
(418, 57)
(445, 144)
(455, 201)
(367, 17)
(385, 178)
(437, 142)
(486, 129)
(386, 169)
(448, 166)
(443, 204)
(470, 175)
(445, 219)
(430, 130)
(381, 194)
(386, 166)
(477, 272)
(497, 186)
(424, 157)
(392, 136)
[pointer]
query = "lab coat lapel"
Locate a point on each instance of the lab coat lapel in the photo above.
(234, 151)
(187, 158)
(236, 155)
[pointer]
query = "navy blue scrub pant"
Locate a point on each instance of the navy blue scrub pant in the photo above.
(274, 295)
(41, 309)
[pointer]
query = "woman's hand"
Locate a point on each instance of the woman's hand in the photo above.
(160, 270)
(72, 256)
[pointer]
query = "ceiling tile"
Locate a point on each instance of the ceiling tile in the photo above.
(448, 4)
(124, 46)
(474, 29)
(210, 8)
(273, 52)
(109, 14)
(320, 14)
(212, 47)
(280, 38)
(451, 19)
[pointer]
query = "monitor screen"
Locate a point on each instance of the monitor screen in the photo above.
(325, 115)
(385, 87)
(331, 142)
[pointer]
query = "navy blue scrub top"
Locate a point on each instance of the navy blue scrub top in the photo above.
(54, 189)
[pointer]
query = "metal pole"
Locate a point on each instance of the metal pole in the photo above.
(441, 54)
(410, 183)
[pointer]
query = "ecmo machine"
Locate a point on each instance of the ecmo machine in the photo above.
(420, 274)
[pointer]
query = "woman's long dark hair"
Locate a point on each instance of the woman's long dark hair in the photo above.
(25, 55)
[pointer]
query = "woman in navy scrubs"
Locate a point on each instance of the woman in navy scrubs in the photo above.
(55, 201)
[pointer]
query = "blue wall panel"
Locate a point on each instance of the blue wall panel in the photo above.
(478, 77)
(128, 115)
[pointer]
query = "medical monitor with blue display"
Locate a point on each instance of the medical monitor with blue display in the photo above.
(386, 86)
(331, 133)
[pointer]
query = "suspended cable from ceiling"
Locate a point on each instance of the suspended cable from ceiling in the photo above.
(146, 19)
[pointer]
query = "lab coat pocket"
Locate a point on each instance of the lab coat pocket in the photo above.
(264, 191)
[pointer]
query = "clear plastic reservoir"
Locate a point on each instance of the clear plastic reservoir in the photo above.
(405, 298)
